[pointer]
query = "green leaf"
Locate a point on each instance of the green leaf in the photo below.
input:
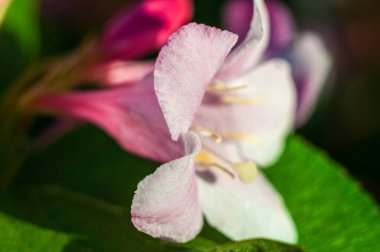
(257, 245)
(331, 210)
(16, 235)
(21, 21)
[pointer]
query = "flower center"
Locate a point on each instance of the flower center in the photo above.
(246, 171)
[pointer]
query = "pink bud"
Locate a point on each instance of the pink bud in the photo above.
(141, 30)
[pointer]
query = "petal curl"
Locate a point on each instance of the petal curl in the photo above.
(311, 66)
(250, 51)
(256, 125)
(141, 30)
(166, 203)
(244, 211)
(129, 113)
(184, 69)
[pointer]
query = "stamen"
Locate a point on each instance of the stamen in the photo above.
(209, 160)
(209, 133)
(242, 100)
(238, 136)
(219, 86)
(247, 171)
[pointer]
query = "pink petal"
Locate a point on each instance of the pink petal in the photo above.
(244, 211)
(267, 120)
(144, 29)
(184, 69)
(311, 66)
(166, 204)
(115, 72)
(130, 114)
(251, 50)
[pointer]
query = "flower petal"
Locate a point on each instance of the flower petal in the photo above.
(166, 203)
(129, 113)
(311, 65)
(254, 128)
(144, 29)
(244, 211)
(184, 69)
(251, 50)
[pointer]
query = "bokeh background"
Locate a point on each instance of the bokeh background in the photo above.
(346, 123)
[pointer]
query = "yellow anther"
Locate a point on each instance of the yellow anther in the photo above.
(242, 100)
(209, 160)
(209, 133)
(238, 136)
(247, 171)
(218, 86)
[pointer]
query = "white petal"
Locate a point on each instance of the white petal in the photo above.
(242, 211)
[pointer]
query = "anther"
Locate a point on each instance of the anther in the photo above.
(246, 171)
(218, 86)
(242, 100)
(208, 133)
(208, 160)
(238, 136)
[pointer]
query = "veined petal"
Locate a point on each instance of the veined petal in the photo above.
(251, 50)
(311, 65)
(259, 117)
(129, 113)
(144, 29)
(184, 69)
(166, 203)
(244, 211)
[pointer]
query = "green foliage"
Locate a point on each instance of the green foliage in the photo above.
(83, 185)
(22, 23)
(331, 210)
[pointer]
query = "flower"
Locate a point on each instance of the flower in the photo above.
(306, 52)
(241, 111)
(169, 203)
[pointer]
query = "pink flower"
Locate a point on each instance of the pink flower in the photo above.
(139, 31)
(240, 112)
(307, 54)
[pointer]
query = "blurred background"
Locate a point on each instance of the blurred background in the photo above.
(346, 123)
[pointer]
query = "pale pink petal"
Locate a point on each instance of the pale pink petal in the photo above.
(116, 72)
(130, 114)
(263, 124)
(311, 66)
(144, 29)
(166, 203)
(245, 211)
(251, 50)
(184, 69)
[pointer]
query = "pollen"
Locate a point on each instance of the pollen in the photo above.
(246, 171)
